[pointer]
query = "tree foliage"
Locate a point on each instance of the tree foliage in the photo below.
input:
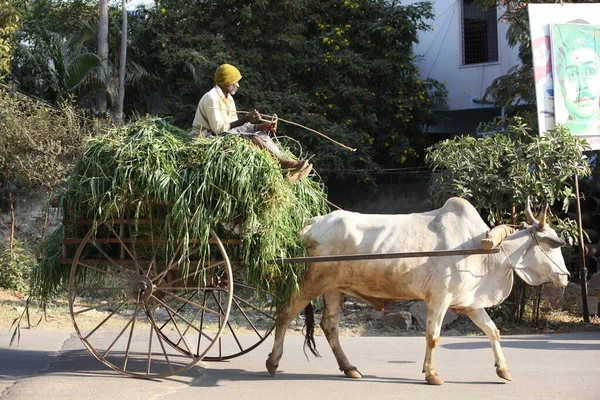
(505, 169)
(9, 18)
(345, 68)
(48, 62)
(38, 143)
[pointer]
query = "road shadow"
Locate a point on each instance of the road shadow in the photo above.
(17, 363)
(77, 363)
(546, 342)
(213, 377)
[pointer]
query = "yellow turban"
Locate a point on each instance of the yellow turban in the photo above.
(227, 74)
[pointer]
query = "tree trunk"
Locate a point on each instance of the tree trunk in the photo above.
(122, 64)
(46, 212)
(12, 218)
(103, 51)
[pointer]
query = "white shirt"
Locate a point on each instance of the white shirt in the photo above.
(215, 113)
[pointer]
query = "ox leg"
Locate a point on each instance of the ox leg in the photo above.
(284, 317)
(435, 317)
(485, 323)
(330, 323)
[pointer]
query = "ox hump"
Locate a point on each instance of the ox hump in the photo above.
(324, 229)
(460, 207)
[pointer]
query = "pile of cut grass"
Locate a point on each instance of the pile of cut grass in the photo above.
(152, 168)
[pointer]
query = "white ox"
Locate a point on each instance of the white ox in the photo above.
(464, 284)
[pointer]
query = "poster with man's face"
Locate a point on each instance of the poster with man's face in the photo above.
(576, 61)
(564, 93)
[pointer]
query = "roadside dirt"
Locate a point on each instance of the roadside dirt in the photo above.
(358, 319)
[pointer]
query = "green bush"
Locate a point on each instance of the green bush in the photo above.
(15, 266)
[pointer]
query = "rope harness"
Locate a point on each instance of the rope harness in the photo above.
(535, 242)
(533, 235)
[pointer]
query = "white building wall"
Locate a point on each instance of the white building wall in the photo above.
(442, 57)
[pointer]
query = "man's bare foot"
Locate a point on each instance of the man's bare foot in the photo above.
(295, 165)
(299, 174)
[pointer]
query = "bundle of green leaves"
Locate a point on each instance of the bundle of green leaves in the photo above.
(151, 168)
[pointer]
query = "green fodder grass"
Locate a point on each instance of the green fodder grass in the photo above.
(151, 168)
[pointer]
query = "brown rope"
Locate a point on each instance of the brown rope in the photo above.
(264, 116)
(331, 204)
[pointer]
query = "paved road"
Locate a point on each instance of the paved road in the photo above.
(54, 365)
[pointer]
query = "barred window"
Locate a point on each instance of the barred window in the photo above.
(480, 34)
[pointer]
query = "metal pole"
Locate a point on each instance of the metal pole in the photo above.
(582, 260)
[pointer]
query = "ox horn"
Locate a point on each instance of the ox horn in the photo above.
(495, 236)
(542, 217)
(528, 214)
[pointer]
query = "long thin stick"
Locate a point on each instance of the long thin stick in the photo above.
(293, 123)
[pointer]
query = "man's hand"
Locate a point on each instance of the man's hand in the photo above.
(253, 116)
(267, 127)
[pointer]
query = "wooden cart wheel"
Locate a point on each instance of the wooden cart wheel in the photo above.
(127, 311)
(250, 321)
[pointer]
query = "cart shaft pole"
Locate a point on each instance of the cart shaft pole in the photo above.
(377, 256)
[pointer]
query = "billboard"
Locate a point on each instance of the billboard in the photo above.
(565, 42)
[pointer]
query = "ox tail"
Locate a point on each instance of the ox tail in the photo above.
(309, 337)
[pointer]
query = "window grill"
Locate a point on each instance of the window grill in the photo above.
(480, 34)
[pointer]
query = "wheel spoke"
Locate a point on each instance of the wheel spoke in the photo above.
(201, 322)
(137, 308)
(109, 258)
(106, 319)
(149, 358)
(134, 250)
(229, 325)
(152, 265)
(162, 345)
(173, 299)
(219, 263)
(171, 288)
(254, 307)
(119, 335)
(159, 277)
(246, 317)
(101, 270)
(192, 303)
(97, 306)
(101, 289)
(154, 248)
(175, 312)
(124, 246)
(182, 338)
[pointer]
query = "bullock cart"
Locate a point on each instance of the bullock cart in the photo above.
(149, 317)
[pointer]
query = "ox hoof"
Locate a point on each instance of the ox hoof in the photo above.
(504, 373)
(434, 380)
(352, 373)
(271, 367)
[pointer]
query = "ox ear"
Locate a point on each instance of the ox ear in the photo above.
(553, 241)
(528, 214)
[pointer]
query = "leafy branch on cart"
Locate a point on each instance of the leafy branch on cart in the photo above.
(152, 169)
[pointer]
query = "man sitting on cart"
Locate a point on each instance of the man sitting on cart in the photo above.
(216, 115)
